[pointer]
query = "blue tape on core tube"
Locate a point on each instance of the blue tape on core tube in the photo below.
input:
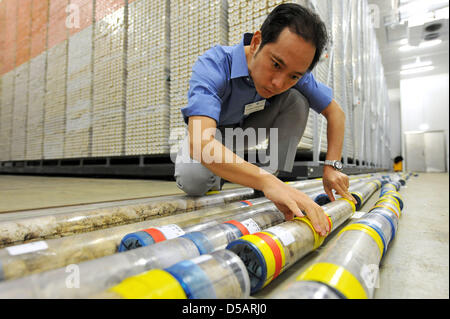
(400, 201)
(193, 279)
(322, 199)
(135, 240)
(378, 230)
(200, 240)
(257, 269)
(386, 215)
(358, 200)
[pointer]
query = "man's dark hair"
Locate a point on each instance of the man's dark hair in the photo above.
(301, 21)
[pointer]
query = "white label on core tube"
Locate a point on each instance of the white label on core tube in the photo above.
(251, 226)
(285, 236)
(171, 231)
(358, 214)
(27, 248)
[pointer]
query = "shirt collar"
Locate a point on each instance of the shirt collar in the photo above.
(239, 67)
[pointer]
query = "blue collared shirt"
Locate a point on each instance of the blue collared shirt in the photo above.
(220, 86)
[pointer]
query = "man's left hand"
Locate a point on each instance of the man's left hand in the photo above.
(333, 179)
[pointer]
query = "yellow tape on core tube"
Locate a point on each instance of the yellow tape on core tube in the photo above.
(267, 253)
(369, 231)
(337, 277)
(318, 240)
(154, 284)
(390, 200)
(350, 202)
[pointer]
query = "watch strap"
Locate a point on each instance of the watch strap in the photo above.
(332, 163)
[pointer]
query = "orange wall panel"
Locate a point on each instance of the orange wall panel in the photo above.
(2, 34)
(57, 31)
(9, 37)
(39, 19)
(23, 31)
(84, 10)
(105, 7)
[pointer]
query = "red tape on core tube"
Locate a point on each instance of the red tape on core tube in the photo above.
(329, 222)
(247, 202)
(275, 250)
(156, 234)
(241, 227)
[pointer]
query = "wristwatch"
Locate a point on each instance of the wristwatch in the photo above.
(336, 164)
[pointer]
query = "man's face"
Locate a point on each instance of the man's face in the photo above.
(278, 65)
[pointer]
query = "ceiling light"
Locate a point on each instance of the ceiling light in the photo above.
(417, 70)
(424, 44)
(406, 48)
(432, 43)
(416, 64)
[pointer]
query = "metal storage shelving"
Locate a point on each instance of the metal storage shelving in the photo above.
(147, 88)
(93, 95)
(188, 40)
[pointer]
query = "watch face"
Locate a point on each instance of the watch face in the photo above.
(338, 165)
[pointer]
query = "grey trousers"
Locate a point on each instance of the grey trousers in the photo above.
(287, 112)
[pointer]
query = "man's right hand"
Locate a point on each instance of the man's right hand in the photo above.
(291, 201)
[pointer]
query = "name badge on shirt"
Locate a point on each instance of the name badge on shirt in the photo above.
(254, 107)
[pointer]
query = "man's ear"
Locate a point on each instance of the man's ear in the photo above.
(256, 42)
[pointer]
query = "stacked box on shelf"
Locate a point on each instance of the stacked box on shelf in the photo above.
(348, 84)
(378, 102)
(195, 27)
(55, 96)
(36, 80)
(55, 99)
(246, 16)
(79, 79)
(349, 76)
(386, 151)
(357, 76)
(108, 118)
(367, 90)
(8, 57)
(23, 41)
(147, 96)
(323, 71)
(7, 103)
(36, 101)
(79, 101)
(19, 119)
(340, 29)
(373, 116)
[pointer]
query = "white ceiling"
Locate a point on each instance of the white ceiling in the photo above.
(389, 43)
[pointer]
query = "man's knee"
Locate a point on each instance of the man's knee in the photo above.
(298, 102)
(195, 179)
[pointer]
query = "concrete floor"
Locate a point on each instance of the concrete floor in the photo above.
(415, 266)
(24, 192)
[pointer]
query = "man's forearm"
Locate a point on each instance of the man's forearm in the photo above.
(226, 164)
(335, 131)
(335, 140)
